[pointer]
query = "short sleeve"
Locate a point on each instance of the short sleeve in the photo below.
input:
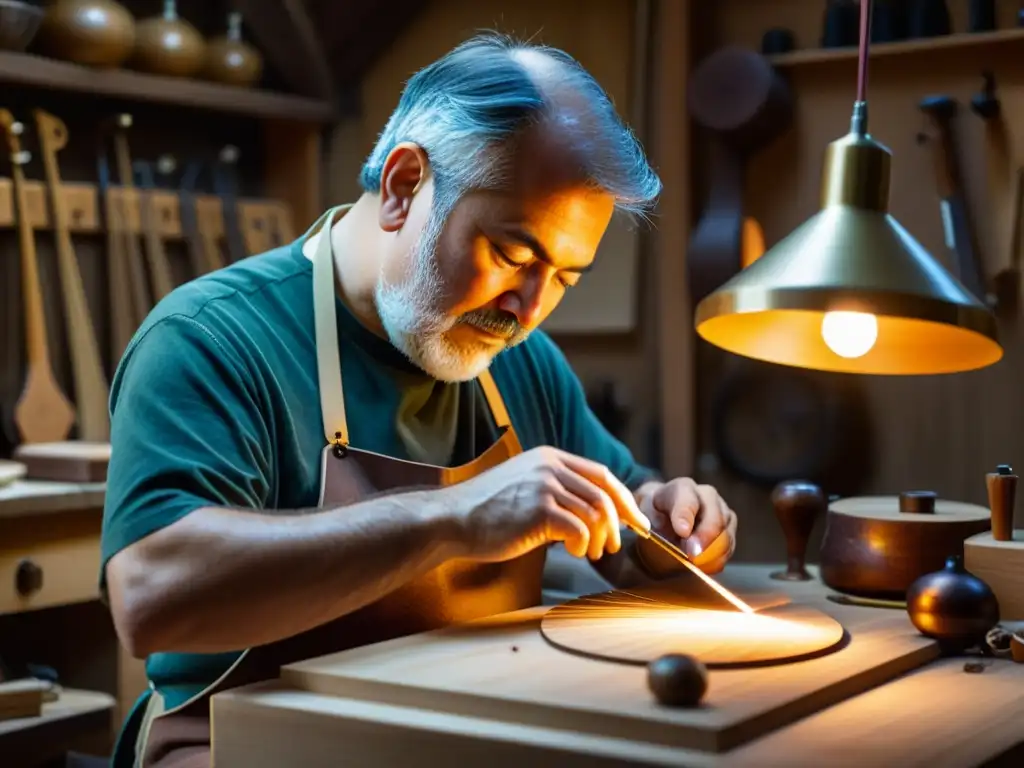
(186, 432)
(579, 431)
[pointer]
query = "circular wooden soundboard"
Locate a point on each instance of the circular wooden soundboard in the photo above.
(635, 628)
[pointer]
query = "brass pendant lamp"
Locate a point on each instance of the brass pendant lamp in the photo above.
(851, 290)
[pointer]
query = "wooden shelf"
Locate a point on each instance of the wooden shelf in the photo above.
(41, 72)
(923, 45)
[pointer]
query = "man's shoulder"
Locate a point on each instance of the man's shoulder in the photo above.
(240, 293)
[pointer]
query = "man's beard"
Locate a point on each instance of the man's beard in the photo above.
(413, 316)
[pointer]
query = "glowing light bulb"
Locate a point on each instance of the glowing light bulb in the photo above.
(849, 334)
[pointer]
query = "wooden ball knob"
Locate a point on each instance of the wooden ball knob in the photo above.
(797, 504)
(28, 578)
(677, 680)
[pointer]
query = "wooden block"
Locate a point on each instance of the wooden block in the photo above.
(71, 461)
(22, 698)
(1000, 564)
(79, 201)
(502, 670)
(11, 471)
(85, 213)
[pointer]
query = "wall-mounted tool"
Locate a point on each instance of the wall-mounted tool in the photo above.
(129, 300)
(86, 362)
(225, 184)
(43, 413)
(744, 104)
(986, 104)
(203, 251)
(956, 219)
(156, 254)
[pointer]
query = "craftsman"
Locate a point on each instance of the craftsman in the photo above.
(255, 495)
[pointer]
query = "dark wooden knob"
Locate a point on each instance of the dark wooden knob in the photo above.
(797, 504)
(28, 578)
(918, 502)
(1002, 496)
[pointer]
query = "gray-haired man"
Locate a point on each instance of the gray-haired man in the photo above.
(364, 431)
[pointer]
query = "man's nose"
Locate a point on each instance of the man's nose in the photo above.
(525, 301)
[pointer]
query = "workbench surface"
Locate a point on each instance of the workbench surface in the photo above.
(498, 695)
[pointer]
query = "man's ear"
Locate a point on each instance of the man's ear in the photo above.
(405, 171)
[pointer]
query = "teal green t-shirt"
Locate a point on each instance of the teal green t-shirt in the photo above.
(216, 403)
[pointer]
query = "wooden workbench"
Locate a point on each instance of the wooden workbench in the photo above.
(53, 530)
(498, 694)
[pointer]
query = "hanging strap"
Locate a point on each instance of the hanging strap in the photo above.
(328, 360)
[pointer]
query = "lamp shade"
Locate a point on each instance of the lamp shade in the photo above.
(791, 305)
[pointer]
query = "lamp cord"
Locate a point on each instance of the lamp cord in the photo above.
(860, 109)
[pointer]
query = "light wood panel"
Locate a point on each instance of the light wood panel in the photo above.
(502, 669)
(941, 433)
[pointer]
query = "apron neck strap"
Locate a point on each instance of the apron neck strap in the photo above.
(328, 357)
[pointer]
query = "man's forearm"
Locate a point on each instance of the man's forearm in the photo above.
(224, 579)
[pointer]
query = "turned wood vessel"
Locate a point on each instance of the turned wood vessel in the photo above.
(168, 45)
(952, 606)
(876, 546)
(231, 60)
(797, 505)
(96, 33)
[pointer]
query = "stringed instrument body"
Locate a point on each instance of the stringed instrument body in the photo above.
(43, 412)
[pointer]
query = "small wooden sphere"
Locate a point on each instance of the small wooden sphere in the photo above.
(677, 680)
(94, 33)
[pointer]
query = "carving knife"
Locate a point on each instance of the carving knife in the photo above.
(681, 557)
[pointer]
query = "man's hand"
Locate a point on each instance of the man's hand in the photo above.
(691, 515)
(541, 496)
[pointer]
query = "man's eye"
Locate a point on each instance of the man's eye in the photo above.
(505, 257)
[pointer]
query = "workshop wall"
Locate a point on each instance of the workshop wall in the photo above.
(939, 432)
(603, 326)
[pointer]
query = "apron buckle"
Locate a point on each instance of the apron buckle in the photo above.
(340, 449)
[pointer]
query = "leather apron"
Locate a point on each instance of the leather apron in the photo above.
(454, 592)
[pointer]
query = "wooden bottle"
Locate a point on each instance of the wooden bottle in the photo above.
(168, 45)
(96, 33)
(231, 60)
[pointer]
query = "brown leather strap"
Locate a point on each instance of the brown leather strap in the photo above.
(494, 400)
(328, 359)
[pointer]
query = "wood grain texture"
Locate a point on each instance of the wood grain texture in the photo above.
(42, 72)
(503, 669)
(29, 498)
(907, 722)
(636, 629)
(1000, 564)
